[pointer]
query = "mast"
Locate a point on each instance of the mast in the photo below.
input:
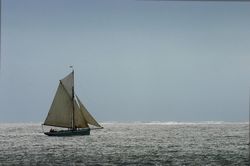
(73, 112)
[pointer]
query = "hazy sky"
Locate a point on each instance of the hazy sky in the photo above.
(134, 60)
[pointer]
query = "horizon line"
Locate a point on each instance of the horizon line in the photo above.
(148, 122)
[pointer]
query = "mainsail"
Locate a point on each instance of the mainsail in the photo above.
(60, 113)
(66, 110)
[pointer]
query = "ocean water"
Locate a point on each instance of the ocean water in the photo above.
(129, 144)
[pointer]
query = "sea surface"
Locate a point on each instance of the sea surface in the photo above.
(170, 143)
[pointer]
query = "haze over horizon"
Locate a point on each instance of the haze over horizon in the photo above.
(133, 60)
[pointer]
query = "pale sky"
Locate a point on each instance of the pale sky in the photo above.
(133, 60)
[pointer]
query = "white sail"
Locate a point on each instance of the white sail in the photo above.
(60, 113)
(79, 120)
(87, 116)
(65, 106)
(68, 83)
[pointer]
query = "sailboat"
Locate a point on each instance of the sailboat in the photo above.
(67, 111)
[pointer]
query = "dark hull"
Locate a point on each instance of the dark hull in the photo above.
(85, 131)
